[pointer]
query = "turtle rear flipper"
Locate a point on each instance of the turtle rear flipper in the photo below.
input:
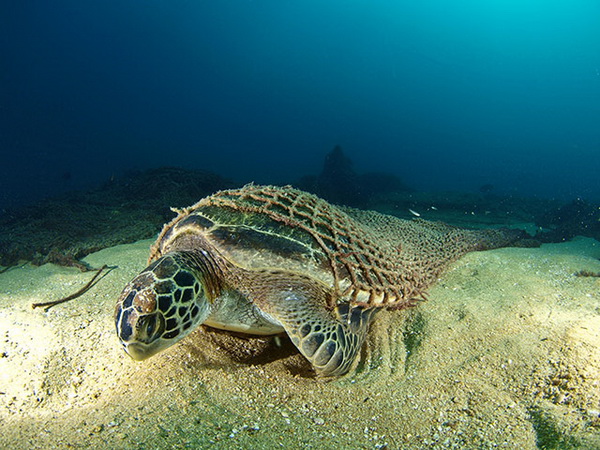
(330, 340)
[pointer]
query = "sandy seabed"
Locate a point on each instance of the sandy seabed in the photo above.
(506, 353)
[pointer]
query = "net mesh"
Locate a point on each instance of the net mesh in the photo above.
(375, 259)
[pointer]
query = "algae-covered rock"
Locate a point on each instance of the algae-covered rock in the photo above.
(126, 209)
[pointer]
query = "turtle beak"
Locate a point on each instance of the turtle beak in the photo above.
(139, 352)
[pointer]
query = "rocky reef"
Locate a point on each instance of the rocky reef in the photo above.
(66, 228)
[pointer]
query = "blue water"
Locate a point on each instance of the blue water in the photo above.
(446, 95)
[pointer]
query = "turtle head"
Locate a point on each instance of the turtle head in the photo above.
(160, 306)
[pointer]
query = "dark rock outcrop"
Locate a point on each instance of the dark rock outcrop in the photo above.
(578, 218)
(339, 183)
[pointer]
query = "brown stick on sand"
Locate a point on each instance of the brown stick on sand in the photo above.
(83, 290)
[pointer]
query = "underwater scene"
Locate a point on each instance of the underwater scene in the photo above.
(313, 225)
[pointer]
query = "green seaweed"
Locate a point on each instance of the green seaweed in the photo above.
(548, 436)
(413, 335)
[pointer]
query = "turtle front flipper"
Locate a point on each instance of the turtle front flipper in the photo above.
(331, 344)
(330, 340)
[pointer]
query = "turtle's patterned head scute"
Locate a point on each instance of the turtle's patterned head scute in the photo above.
(159, 307)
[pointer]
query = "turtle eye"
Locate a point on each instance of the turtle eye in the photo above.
(150, 327)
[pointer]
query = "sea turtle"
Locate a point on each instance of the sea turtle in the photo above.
(265, 260)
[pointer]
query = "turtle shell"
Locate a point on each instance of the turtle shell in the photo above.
(251, 240)
(268, 227)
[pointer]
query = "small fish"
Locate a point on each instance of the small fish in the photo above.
(414, 213)
(434, 208)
